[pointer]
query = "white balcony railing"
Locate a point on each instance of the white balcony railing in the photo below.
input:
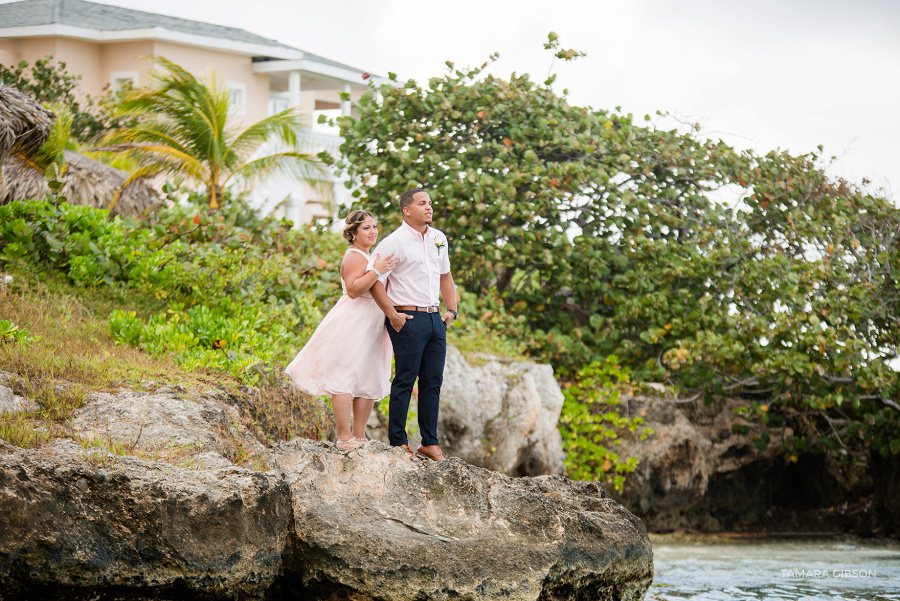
(302, 202)
(315, 142)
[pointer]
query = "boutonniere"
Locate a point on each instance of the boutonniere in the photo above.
(440, 244)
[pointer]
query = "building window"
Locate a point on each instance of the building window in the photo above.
(277, 104)
(237, 97)
(122, 79)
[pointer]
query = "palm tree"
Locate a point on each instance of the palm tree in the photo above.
(185, 129)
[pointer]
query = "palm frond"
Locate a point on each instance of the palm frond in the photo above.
(136, 176)
(167, 158)
(197, 112)
(60, 138)
(137, 101)
(145, 133)
(281, 126)
(187, 128)
(285, 164)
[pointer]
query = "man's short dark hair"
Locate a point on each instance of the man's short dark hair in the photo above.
(407, 197)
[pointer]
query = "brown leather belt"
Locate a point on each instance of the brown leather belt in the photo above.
(419, 309)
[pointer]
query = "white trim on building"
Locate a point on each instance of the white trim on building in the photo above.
(160, 34)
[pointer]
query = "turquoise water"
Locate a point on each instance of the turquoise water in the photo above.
(775, 571)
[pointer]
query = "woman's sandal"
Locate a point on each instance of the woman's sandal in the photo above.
(360, 440)
(348, 445)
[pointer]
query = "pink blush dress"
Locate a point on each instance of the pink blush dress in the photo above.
(349, 353)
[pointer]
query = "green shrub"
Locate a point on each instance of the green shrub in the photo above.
(77, 240)
(592, 421)
(613, 237)
(485, 326)
(50, 82)
(245, 340)
(243, 293)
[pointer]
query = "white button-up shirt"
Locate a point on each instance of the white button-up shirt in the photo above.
(416, 280)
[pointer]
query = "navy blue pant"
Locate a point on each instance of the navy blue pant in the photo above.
(420, 348)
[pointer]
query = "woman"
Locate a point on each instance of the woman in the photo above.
(349, 354)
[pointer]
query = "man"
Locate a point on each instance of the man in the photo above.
(418, 332)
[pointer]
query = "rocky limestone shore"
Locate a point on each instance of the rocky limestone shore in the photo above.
(150, 503)
(193, 430)
(496, 413)
(324, 524)
(375, 523)
(76, 526)
(698, 472)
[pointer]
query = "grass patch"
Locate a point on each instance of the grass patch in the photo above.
(26, 430)
(74, 344)
(71, 354)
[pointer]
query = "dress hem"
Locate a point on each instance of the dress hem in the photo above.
(324, 392)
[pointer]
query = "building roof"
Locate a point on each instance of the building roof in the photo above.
(80, 18)
(103, 17)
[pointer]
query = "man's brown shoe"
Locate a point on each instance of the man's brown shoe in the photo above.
(409, 452)
(432, 452)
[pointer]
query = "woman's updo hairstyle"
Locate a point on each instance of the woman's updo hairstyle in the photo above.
(352, 223)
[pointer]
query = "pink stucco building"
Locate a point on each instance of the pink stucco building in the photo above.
(109, 45)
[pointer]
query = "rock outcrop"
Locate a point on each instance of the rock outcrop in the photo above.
(10, 402)
(700, 472)
(371, 524)
(326, 524)
(81, 527)
(692, 446)
(496, 413)
(100, 516)
(189, 429)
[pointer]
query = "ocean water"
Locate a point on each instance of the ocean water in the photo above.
(775, 571)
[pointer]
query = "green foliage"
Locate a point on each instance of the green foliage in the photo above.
(187, 128)
(9, 332)
(71, 355)
(552, 43)
(612, 239)
(245, 340)
(74, 239)
(241, 298)
(484, 326)
(592, 420)
(50, 82)
(59, 140)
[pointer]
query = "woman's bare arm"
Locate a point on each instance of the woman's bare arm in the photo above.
(356, 279)
(355, 276)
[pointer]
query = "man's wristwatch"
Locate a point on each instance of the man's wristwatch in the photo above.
(455, 314)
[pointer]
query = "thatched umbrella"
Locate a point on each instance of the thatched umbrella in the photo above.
(24, 123)
(24, 127)
(87, 182)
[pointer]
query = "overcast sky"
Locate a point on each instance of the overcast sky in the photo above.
(766, 74)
